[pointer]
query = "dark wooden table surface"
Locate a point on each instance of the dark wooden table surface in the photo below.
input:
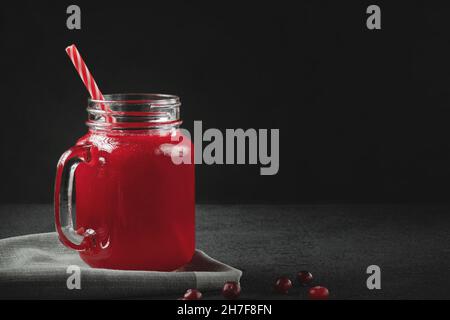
(410, 243)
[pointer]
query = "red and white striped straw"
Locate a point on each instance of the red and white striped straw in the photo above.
(87, 77)
(84, 73)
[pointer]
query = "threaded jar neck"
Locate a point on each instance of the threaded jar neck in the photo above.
(132, 111)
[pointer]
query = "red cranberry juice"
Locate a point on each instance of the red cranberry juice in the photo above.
(140, 203)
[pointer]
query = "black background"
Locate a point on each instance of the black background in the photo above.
(363, 115)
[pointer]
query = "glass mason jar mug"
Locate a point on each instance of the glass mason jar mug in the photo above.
(135, 207)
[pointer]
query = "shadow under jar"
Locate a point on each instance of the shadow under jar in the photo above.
(135, 205)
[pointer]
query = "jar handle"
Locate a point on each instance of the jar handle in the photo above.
(65, 173)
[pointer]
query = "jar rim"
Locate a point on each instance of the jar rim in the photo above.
(138, 98)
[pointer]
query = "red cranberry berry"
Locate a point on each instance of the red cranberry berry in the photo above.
(231, 290)
(192, 294)
(304, 277)
(318, 293)
(283, 284)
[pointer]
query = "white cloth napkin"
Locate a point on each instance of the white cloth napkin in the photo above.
(36, 266)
